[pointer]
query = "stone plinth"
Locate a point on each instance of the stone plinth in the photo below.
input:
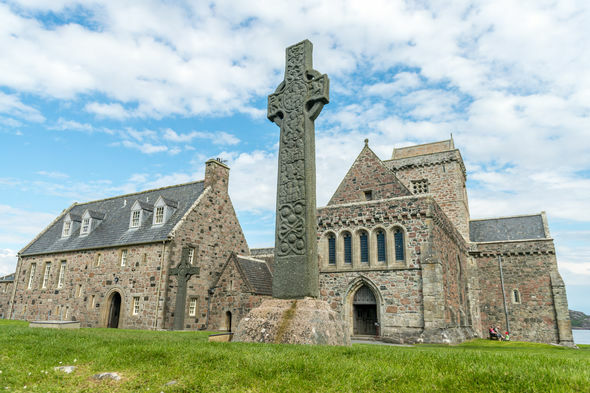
(289, 321)
(55, 324)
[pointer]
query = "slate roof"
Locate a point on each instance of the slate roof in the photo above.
(257, 273)
(262, 251)
(113, 229)
(8, 278)
(507, 228)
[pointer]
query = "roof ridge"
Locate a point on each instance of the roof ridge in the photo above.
(140, 192)
(505, 217)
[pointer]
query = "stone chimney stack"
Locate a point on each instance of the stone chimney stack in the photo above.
(216, 174)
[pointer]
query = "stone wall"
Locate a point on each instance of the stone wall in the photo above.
(213, 230)
(368, 174)
(446, 176)
(5, 295)
(424, 297)
(528, 267)
(232, 295)
(88, 285)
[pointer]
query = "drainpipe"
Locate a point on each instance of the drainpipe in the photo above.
(159, 284)
(503, 293)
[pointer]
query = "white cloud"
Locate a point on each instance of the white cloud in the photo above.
(12, 105)
(53, 174)
(218, 138)
(146, 148)
(71, 125)
(115, 111)
(7, 261)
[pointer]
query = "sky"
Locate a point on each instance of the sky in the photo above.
(101, 98)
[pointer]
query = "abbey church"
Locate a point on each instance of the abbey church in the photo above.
(400, 259)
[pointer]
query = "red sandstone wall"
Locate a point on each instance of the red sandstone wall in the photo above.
(526, 266)
(368, 173)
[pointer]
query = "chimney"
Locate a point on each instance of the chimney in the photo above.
(216, 174)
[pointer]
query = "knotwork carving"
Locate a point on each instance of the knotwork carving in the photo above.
(291, 231)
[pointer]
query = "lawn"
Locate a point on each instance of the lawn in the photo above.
(147, 361)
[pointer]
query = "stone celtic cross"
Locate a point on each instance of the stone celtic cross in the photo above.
(294, 106)
(184, 271)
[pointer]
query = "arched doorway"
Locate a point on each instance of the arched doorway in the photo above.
(364, 312)
(228, 321)
(114, 310)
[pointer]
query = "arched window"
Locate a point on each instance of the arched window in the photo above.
(515, 296)
(364, 246)
(381, 247)
(331, 249)
(398, 238)
(347, 247)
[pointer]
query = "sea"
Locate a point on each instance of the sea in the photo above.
(581, 336)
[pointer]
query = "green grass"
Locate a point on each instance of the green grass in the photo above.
(148, 360)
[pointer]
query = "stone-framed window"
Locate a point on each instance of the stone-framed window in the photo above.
(91, 301)
(420, 186)
(46, 275)
(67, 228)
(135, 218)
(79, 291)
(515, 295)
(398, 239)
(381, 246)
(98, 260)
(368, 195)
(192, 307)
(331, 249)
(135, 305)
(62, 275)
(364, 246)
(123, 258)
(347, 239)
(85, 229)
(191, 255)
(32, 275)
(159, 216)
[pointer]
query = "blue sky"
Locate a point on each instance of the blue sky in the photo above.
(100, 98)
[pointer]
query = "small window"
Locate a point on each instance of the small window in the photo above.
(46, 275)
(91, 302)
(420, 186)
(347, 248)
(98, 259)
(32, 275)
(62, 274)
(159, 218)
(364, 246)
(135, 215)
(135, 305)
(368, 195)
(515, 296)
(192, 308)
(79, 294)
(85, 226)
(123, 257)
(331, 249)
(67, 228)
(398, 237)
(191, 255)
(381, 247)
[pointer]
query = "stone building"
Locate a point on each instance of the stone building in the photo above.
(114, 262)
(6, 284)
(399, 258)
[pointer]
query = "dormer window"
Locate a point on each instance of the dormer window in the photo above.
(90, 220)
(67, 229)
(135, 218)
(139, 212)
(159, 219)
(163, 209)
(85, 226)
